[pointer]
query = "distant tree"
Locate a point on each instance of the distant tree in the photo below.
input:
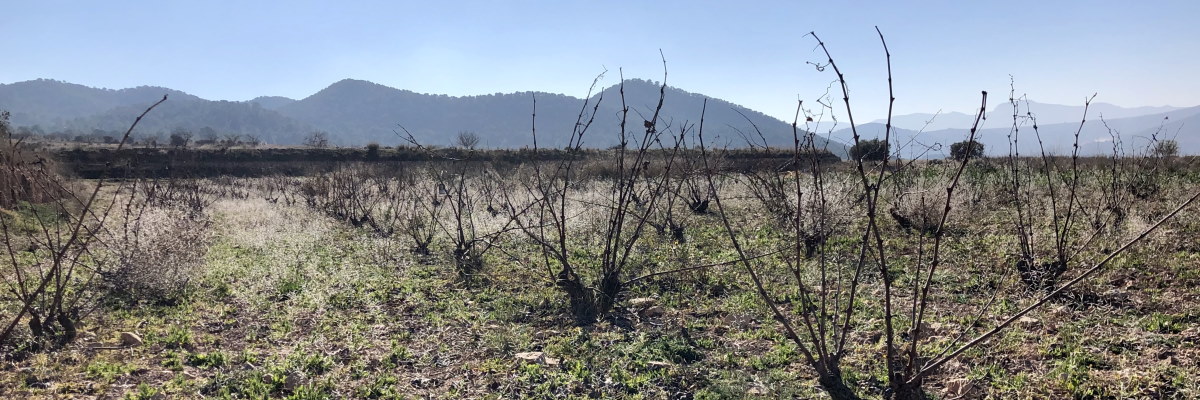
(373, 151)
(180, 137)
(230, 140)
(317, 139)
(253, 141)
(870, 150)
(1166, 148)
(467, 140)
(966, 149)
(5, 128)
(208, 134)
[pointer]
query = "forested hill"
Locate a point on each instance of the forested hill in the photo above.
(356, 112)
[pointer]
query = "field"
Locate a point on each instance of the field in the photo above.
(619, 274)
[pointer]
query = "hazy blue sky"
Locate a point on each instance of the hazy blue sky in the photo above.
(943, 52)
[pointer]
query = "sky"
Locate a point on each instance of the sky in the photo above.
(757, 54)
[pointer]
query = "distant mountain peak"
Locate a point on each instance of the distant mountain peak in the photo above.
(272, 102)
(354, 82)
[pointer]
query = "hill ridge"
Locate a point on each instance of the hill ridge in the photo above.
(356, 112)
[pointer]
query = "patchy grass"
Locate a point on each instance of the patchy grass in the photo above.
(291, 304)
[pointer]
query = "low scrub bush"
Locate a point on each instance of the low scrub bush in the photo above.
(156, 258)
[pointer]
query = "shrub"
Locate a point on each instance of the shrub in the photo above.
(467, 140)
(966, 149)
(70, 261)
(870, 150)
(373, 151)
(317, 140)
(180, 138)
(24, 176)
(157, 258)
(1166, 148)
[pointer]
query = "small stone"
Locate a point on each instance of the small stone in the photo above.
(537, 357)
(652, 312)
(643, 302)
(291, 382)
(130, 339)
(736, 321)
(531, 356)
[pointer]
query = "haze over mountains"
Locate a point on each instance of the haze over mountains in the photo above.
(356, 112)
(1046, 114)
(1057, 125)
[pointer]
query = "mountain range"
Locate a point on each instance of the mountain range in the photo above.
(1046, 114)
(356, 112)
(1135, 128)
